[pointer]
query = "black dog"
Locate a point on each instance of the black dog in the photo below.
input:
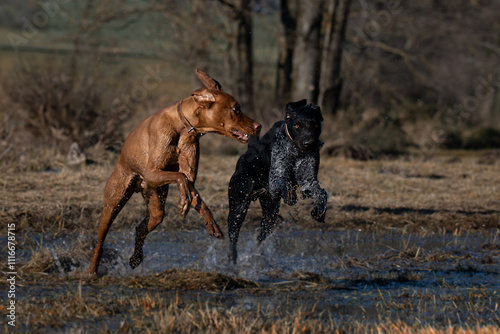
(286, 159)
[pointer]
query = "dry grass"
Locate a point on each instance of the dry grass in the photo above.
(175, 279)
(146, 311)
(450, 193)
(425, 196)
(163, 303)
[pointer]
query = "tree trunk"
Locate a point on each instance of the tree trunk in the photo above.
(331, 82)
(288, 19)
(307, 53)
(242, 12)
(244, 51)
(199, 41)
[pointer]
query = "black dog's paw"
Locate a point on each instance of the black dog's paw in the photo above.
(319, 213)
(136, 259)
(233, 254)
(288, 193)
(319, 210)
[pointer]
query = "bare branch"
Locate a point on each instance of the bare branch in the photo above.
(228, 4)
(396, 51)
(106, 17)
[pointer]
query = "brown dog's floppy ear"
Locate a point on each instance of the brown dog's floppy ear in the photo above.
(208, 81)
(203, 97)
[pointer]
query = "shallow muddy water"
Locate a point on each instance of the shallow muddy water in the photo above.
(392, 265)
(438, 279)
(331, 254)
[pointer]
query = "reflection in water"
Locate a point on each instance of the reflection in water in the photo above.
(431, 277)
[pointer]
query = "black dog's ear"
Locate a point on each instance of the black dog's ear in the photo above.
(294, 105)
(317, 109)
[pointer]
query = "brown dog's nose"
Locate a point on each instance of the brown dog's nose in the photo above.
(257, 128)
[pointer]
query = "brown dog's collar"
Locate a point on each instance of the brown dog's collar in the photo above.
(186, 123)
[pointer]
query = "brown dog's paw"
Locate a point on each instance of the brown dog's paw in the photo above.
(88, 274)
(184, 206)
(185, 196)
(214, 230)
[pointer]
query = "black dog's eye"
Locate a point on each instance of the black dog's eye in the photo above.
(297, 126)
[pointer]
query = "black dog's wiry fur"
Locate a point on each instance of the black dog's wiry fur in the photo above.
(286, 159)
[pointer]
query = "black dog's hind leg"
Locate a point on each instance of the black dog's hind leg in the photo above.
(240, 188)
(270, 210)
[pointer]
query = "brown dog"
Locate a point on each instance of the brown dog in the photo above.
(164, 149)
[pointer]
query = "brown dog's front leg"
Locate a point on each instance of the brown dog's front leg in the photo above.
(155, 179)
(208, 218)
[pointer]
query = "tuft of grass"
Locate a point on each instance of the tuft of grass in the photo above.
(175, 279)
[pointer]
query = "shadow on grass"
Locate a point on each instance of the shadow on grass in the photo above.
(403, 210)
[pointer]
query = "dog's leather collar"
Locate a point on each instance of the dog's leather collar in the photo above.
(190, 129)
(287, 132)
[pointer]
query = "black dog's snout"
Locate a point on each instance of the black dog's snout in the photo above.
(308, 142)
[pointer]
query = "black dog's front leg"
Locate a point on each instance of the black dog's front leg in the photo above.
(280, 174)
(283, 188)
(306, 172)
(313, 190)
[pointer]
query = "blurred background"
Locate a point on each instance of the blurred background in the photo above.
(391, 76)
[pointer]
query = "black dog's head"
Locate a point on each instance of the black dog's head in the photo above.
(303, 123)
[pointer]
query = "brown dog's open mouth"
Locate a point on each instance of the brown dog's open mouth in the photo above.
(240, 136)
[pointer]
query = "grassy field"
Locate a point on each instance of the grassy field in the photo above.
(451, 195)
(410, 244)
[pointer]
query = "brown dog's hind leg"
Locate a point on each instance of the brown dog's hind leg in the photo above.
(155, 200)
(117, 192)
(208, 218)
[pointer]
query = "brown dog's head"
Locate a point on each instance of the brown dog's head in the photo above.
(220, 113)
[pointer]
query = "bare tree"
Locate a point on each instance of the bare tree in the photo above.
(241, 10)
(288, 12)
(307, 53)
(331, 81)
(310, 53)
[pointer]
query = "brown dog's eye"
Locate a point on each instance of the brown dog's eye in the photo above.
(236, 110)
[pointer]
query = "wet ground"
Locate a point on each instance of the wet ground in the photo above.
(406, 242)
(436, 279)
